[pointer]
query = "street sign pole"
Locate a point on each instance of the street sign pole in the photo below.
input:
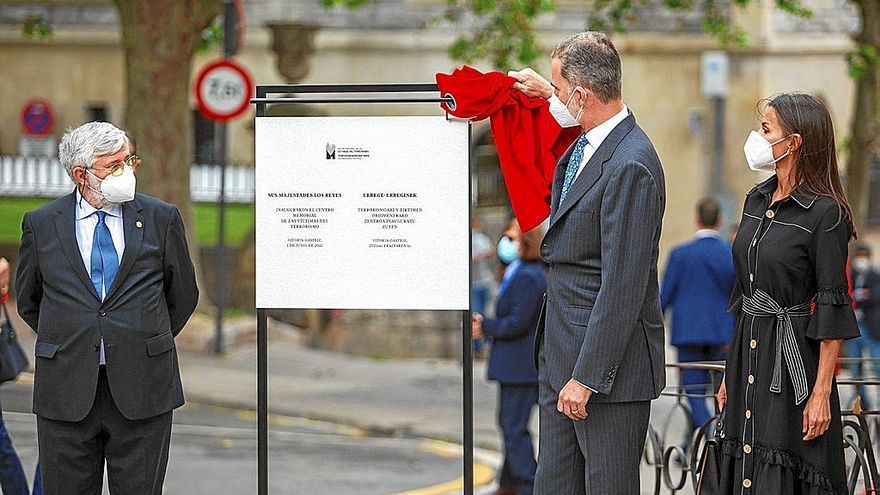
(715, 84)
(231, 30)
(220, 159)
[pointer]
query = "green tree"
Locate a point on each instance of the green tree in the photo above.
(160, 38)
(505, 34)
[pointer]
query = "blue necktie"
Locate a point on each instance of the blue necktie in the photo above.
(105, 261)
(574, 162)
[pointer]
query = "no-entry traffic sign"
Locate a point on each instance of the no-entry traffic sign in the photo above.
(37, 117)
(223, 90)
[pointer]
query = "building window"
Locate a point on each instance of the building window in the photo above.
(203, 132)
(97, 113)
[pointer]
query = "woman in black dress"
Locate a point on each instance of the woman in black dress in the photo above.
(782, 427)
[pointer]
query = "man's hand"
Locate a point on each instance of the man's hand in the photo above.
(477, 326)
(531, 83)
(4, 276)
(573, 400)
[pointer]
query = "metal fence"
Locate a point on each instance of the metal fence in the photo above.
(44, 177)
(674, 459)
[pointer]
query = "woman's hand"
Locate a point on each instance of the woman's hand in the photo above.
(721, 396)
(817, 415)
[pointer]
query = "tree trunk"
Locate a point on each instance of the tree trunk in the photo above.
(864, 124)
(160, 38)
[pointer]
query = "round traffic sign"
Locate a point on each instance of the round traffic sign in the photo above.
(223, 90)
(37, 117)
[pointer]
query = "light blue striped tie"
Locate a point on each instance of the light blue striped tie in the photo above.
(574, 162)
(105, 261)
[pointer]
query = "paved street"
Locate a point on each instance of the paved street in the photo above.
(213, 452)
(339, 424)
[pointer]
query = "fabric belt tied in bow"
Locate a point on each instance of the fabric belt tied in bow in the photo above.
(761, 305)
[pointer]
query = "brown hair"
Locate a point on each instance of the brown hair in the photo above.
(816, 172)
(530, 244)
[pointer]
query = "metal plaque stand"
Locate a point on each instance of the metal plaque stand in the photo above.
(359, 93)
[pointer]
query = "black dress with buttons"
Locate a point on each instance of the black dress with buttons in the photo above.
(791, 293)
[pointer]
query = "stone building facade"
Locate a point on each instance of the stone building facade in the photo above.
(80, 71)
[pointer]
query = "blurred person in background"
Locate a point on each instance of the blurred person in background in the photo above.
(508, 246)
(482, 253)
(696, 287)
(511, 359)
(866, 294)
(12, 478)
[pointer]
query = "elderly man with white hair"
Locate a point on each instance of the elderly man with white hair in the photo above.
(106, 281)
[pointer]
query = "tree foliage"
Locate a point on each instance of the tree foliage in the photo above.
(36, 27)
(505, 32)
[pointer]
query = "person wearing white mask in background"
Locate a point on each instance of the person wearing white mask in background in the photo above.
(866, 293)
(106, 280)
(782, 426)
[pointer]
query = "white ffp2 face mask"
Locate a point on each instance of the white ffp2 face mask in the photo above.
(117, 188)
(561, 114)
(759, 153)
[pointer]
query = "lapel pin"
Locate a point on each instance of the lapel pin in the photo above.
(138, 224)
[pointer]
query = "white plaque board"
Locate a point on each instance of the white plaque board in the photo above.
(362, 213)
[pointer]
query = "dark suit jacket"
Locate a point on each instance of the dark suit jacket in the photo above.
(870, 307)
(513, 328)
(602, 323)
(697, 285)
(151, 299)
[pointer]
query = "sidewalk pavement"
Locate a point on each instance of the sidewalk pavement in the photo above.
(416, 398)
(412, 398)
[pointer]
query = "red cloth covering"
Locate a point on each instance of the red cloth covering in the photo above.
(528, 139)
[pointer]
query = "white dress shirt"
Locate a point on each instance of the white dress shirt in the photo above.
(598, 134)
(86, 221)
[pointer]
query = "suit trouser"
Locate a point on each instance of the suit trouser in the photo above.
(515, 404)
(698, 382)
(597, 456)
(72, 454)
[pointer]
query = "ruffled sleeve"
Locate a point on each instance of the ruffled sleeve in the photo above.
(833, 317)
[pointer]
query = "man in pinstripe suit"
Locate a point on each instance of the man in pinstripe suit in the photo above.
(600, 347)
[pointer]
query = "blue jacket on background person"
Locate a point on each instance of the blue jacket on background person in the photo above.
(699, 306)
(513, 328)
